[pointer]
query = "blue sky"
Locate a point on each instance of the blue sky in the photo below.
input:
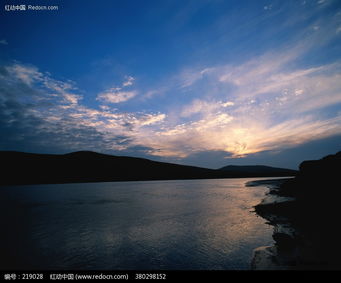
(204, 82)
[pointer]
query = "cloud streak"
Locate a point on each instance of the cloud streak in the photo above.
(116, 96)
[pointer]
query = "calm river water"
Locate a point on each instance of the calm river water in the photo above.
(181, 224)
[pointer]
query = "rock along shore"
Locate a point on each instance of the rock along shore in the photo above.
(305, 214)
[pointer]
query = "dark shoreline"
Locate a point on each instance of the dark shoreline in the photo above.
(305, 214)
(267, 257)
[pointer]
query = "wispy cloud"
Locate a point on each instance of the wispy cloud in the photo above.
(204, 107)
(27, 74)
(116, 96)
(189, 77)
(3, 42)
(129, 81)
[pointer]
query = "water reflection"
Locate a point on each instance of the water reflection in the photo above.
(192, 224)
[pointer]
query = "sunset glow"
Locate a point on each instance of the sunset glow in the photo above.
(180, 80)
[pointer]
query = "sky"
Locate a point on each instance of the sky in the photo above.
(202, 82)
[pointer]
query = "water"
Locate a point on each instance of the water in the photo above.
(181, 224)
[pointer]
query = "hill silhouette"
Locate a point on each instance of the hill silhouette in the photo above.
(307, 233)
(259, 169)
(87, 166)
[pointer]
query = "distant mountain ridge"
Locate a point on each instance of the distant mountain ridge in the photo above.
(254, 169)
(88, 166)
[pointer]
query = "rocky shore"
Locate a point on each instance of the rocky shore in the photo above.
(305, 212)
